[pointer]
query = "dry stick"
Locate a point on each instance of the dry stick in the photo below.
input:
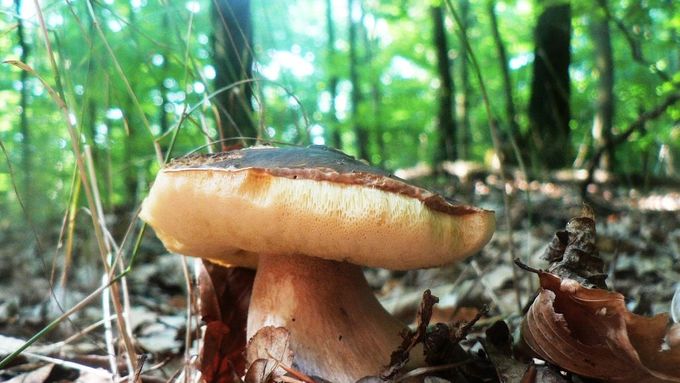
(514, 129)
(495, 138)
(60, 239)
(187, 333)
(106, 303)
(71, 365)
(70, 227)
(636, 125)
(185, 270)
(108, 331)
(75, 144)
(57, 346)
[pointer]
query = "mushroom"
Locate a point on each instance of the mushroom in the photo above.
(308, 219)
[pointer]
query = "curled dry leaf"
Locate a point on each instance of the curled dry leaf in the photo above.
(573, 254)
(590, 332)
(225, 296)
(268, 352)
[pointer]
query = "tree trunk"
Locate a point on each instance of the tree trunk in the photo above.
(162, 112)
(549, 103)
(26, 151)
(446, 125)
(371, 46)
(510, 111)
(336, 140)
(233, 59)
(604, 105)
(357, 98)
(464, 140)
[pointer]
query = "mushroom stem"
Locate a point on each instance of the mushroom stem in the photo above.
(339, 331)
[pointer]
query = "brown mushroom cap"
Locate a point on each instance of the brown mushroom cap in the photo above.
(229, 207)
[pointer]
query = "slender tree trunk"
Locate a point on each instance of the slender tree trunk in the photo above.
(446, 125)
(361, 135)
(357, 97)
(549, 103)
(26, 151)
(604, 105)
(464, 140)
(510, 111)
(162, 112)
(376, 94)
(233, 59)
(371, 46)
(129, 148)
(336, 140)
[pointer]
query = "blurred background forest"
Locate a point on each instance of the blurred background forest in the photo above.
(412, 86)
(95, 95)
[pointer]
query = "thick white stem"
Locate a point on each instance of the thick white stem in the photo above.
(339, 331)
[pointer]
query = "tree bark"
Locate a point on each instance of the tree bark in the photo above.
(446, 125)
(604, 105)
(336, 139)
(549, 111)
(357, 97)
(464, 140)
(233, 59)
(510, 111)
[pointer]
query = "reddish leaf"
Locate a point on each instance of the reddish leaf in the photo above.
(225, 295)
(590, 332)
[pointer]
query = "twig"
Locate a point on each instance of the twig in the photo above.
(636, 125)
(495, 138)
(187, 333)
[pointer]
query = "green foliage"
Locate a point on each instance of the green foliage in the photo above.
(163, 50)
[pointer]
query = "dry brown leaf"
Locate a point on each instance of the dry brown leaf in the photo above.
(271, 344)
(590, 332)
(257, 371)
(47, 373)
(225, 296)
(573, 254)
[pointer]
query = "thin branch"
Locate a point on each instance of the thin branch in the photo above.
(637, 125)
(495, 139)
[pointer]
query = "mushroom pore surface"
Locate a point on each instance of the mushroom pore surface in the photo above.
(233, 206)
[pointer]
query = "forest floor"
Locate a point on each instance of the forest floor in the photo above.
(638, 237)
